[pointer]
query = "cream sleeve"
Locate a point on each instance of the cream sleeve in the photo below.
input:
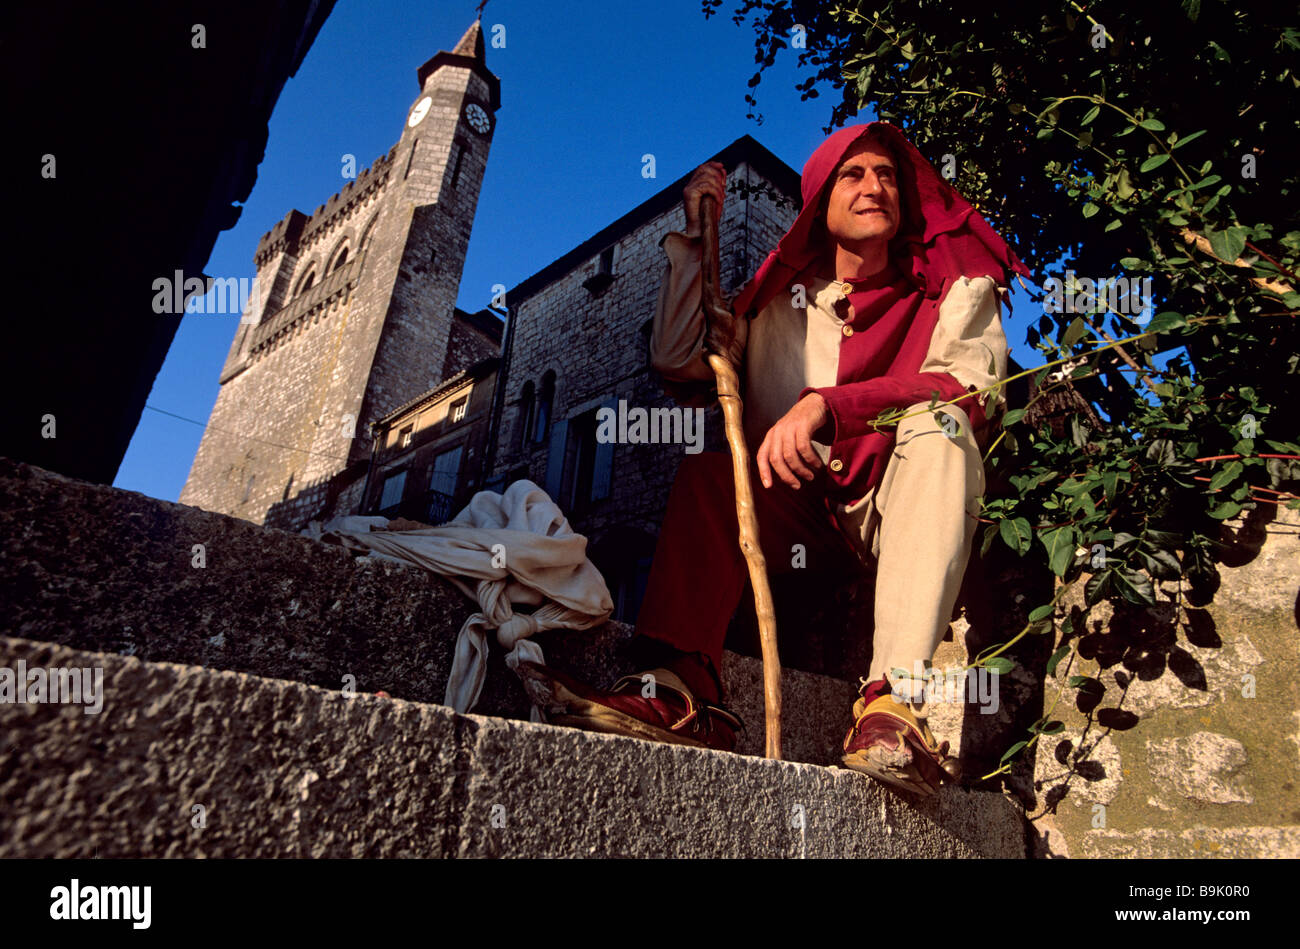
(677, 335)
(968, 342)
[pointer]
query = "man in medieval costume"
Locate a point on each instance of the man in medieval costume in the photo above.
(884, 294)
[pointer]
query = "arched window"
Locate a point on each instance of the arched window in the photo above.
(367, 233)
(341, 259)
(305, 284)
(545, 402)
(526, 406)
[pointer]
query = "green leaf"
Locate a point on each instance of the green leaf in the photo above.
(1188, 138)
(1056, 659)
(1222, 512)
(1124, 185)
(1166, 321)
(1060, 544)
(1052, 728)
(1090, 209)
(1228, 244)
(1040, 612)
(1078, 682)
(1161, 564)
(1135, 587)
(1074, 332)
(1097, 587)
(1154, 162)
(1010, 752)
(990, 532)
(1154, 125)
(999, 665)
(1017, 534)
(1090, 115)
(1230, 473)
(1073, 488)
(1113, 224)
(1012, 417)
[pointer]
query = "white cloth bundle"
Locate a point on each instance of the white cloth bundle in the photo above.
(501, 550)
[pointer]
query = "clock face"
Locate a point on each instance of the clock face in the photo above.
(478, 118)
(419, 112)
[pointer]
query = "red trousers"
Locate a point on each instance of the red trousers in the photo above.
(699, 573)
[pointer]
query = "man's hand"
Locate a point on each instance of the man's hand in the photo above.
(787, 447)
(710, 178)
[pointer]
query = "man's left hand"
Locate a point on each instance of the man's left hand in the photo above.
(787, 447)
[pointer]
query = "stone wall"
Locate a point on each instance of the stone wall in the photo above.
(1189, 744)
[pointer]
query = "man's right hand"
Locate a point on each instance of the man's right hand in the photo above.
(710, 178)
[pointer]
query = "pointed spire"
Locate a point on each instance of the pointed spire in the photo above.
(471, 44)
(469, 53)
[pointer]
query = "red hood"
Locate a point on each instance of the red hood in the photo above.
(940, 237)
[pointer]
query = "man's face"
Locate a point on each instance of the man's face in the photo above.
(863, 203)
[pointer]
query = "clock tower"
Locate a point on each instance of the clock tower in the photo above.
(353, 311)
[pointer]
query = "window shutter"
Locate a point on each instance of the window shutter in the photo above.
(555, 459)
(603, 469)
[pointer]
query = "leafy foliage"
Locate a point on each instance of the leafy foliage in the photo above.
(1135, 142)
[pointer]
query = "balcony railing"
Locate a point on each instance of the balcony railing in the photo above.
(333, 284)
(432, 507)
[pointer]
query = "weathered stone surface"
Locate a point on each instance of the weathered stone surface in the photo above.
(816, 711)
(1200, 767)
(281, 769)
(1198, 841)
(99, 568)
(1190, 741)
(94, 567)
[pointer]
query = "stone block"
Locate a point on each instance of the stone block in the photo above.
(282, 769)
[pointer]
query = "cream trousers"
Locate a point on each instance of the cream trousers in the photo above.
(917, 525)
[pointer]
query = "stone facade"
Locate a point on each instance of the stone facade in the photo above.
(429, 455)
(579, 341)
(353, 313)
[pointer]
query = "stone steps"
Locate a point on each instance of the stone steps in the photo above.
(94, 567)
(246, 636)
(185, 761)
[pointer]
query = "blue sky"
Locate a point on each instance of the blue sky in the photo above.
(587, 89)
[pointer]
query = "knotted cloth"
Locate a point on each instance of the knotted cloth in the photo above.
(502, 550)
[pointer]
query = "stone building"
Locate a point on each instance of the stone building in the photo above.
(577, 343)
(428, 454)
(353, 312)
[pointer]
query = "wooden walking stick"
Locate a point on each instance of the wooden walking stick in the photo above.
(720, 332)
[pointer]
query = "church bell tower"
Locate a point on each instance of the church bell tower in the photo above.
(352, 311)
